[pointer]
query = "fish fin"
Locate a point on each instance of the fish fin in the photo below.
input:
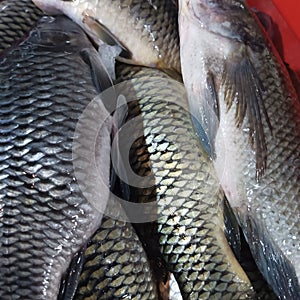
(203, 137)
(118, 167)
(71, 278)
(215, 120)
(277, 269)
(213, 94)
(104, 34)
(232, 229)
(206, 117)
(121, 111)
(245, 89)
(173, 73)
(100, 76)
(108, 56)
(247, 262)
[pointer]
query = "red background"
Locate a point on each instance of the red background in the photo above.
(286, 16)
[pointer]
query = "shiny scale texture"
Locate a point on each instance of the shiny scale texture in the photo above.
(17, 18)
(44, 217)
(190, 225)
(148, 29)
(257, 138)
(115, 265)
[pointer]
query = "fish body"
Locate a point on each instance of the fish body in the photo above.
(235, 79)
(45, 219)
(17, 18)
(189, 231)
(147, 29)
(115, 265)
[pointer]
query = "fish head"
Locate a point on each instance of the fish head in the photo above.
(215, 12)
(77, 10)
(48, 33)
(230, 19)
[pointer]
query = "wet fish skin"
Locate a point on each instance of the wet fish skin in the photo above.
(17, 18)
(148, 29)
(257, 141)
(45, 219)
(261, 287)
(190, 226)
(242, 252)
(115, 265)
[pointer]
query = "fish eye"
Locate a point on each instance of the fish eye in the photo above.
(212, 3)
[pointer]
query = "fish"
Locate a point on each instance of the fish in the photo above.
(242, 252)
(114, 265)
(17, 18)
(176, 175)
(241, 93)
(46, 215)
(146, 30)
(273, 33)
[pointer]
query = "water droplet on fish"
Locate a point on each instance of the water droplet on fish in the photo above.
(59, 248)
(154, 6)
(4, 7)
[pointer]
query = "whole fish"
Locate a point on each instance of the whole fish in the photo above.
(17, 18)
(240, 89)
(189, 231)
(147, 30)
(46, 83)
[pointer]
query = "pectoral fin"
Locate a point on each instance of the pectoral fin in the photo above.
(71, 278)
(206, 116)
(232, 229)
(100, 76)
(108, 56)
(104, 34)
(118, 167)
(244, 88)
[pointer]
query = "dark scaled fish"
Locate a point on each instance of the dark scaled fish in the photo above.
(146, 30)
(239, 87)
(46, 83)
(114, 266)
(177, 174)
(17, 18)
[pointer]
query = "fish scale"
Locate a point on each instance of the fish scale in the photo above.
(283, 162)
(148, 29)
(115, 265)
(190, 227)
(17, 18)
(45, 219)
(256, 135)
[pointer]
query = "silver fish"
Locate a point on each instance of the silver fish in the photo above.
(46, 82)
(241, 90)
